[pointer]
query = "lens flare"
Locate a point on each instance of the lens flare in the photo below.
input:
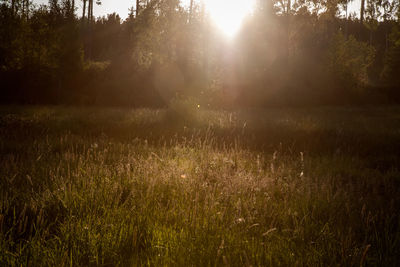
(228, 15)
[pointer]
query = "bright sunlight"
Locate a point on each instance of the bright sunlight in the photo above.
(228, 15)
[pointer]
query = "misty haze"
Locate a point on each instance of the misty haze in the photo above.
(199, 133)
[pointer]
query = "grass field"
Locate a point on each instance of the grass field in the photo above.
(190, 187)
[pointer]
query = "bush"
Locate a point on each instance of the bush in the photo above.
(349, 61)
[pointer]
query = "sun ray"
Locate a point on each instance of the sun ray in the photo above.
(228, 15)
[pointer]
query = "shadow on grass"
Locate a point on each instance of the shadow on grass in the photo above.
(351, 162)
(369, 133)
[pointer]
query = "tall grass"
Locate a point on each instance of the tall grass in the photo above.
(280, 187)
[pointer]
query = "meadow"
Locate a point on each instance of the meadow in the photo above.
(187, 186)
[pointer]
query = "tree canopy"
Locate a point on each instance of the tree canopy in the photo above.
(287, 52)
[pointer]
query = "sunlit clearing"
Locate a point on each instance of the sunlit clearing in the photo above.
(228, 15)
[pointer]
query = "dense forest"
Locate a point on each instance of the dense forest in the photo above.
(303, 52)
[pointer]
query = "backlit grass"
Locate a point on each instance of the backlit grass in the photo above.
(280, 187)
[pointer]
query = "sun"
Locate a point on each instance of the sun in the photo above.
(228, 15)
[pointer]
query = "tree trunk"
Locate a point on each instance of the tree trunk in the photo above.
(362, 10)
(347, 19)
(137, 7)
(90, 12)
(289, 6)
(84, 10)
(90, 33)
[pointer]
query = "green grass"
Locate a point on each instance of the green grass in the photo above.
(189, 187)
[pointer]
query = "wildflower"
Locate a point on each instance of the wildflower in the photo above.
(240, 220)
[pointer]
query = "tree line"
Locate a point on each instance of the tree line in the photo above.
(288, 52)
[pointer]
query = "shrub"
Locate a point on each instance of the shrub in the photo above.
(349, 61)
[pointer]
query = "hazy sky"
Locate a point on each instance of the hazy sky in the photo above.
(121, 6)
(108, 6)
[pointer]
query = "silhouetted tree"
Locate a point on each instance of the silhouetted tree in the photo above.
(287, 52)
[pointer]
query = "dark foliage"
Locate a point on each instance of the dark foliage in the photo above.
(302, 55)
